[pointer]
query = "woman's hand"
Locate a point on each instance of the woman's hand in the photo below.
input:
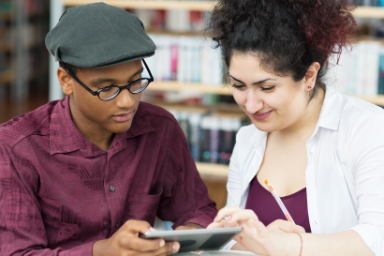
(279, 238)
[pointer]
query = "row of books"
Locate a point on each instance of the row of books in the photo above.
(187, 60)
(360, 71)
(211, 136)
(379, 3)
(30, 7)
(172, 20)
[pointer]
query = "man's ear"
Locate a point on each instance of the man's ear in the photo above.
(65, 81)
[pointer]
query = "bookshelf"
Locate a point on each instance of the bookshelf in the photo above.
(361, 11)
(369, 12)
(205, 168)
(159, 5)
(212, 169)
(203, 88)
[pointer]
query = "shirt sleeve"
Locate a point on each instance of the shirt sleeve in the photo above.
(233, 186)
(367, 162)
(185, 199)
(22, 230)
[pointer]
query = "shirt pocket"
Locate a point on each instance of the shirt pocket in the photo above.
(142, 207)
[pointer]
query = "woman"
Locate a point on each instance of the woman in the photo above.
(322, 151)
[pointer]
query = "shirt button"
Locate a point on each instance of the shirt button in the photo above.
(112, 188)
(310, 153)
(116, 224)
(315, 223)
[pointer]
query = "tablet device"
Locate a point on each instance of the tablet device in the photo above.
(197, 239)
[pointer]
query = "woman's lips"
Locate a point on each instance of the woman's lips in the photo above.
(262, 116)
(122, 118)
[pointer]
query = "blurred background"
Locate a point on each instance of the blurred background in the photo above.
(189, 74)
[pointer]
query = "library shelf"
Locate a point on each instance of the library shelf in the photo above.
(225, 90)
(368, 12)
(361, 11)
(6, 77)
(156, 5)
(212, 169)
(203, 88)
(377, 100)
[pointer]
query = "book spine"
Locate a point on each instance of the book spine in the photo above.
(380, 89)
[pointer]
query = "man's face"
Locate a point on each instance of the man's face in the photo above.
(114, 116)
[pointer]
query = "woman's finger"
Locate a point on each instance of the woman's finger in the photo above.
(227, 211)
(285, 226)
(242, 215)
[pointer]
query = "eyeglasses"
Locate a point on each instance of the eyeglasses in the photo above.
(111, 92)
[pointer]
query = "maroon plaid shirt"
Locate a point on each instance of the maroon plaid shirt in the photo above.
(59, 193)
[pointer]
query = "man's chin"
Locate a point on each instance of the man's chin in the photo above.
(120, 128)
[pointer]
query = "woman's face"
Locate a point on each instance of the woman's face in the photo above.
(272, 102)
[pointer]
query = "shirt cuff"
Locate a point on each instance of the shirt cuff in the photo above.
(82, 250)
(199, 218)
(373, 237)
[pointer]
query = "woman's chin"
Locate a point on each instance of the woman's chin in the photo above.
(265, 126)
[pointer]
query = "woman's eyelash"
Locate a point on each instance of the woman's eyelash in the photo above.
(268, 89)
(237, 86)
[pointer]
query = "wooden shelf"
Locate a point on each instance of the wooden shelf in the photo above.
(377, 100)
(175, 86)
(157, 5)
(213, 169)
(5, 77)
(368, 12)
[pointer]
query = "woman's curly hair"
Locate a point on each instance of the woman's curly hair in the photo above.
(287, 35)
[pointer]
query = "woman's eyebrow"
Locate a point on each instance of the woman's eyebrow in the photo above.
(255, 83)
(111, 80)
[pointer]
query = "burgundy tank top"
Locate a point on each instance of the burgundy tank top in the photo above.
(267, 210)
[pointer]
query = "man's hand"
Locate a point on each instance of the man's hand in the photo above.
(126, 242)
(189, 226)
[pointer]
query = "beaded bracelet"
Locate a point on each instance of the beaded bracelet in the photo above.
(301, 248)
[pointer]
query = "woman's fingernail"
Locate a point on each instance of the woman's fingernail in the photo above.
(162, 243)
(229, 219)
(152, 230)
(176, 247)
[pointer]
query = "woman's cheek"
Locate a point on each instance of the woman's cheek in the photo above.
(240, 97)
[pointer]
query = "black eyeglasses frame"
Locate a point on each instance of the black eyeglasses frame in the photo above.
(128, 86)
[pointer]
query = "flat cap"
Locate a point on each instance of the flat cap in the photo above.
(98, 35)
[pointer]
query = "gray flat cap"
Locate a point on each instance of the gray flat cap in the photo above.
(98, 35)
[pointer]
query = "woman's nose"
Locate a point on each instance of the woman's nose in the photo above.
(254, 102)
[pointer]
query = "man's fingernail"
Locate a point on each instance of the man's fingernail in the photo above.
(176, 247)
(162, 243)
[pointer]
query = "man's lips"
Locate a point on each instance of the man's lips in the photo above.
(262, 116)
(123, 117)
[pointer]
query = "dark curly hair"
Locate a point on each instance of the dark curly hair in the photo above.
(287, 35)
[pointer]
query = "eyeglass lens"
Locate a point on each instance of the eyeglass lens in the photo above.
(111, 92)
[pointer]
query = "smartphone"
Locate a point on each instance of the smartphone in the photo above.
(197, 239)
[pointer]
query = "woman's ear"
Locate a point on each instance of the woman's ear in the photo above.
(311, 75)
(65, 81)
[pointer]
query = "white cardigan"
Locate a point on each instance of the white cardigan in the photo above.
(344, 174)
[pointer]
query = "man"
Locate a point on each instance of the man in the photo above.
(85, 175)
